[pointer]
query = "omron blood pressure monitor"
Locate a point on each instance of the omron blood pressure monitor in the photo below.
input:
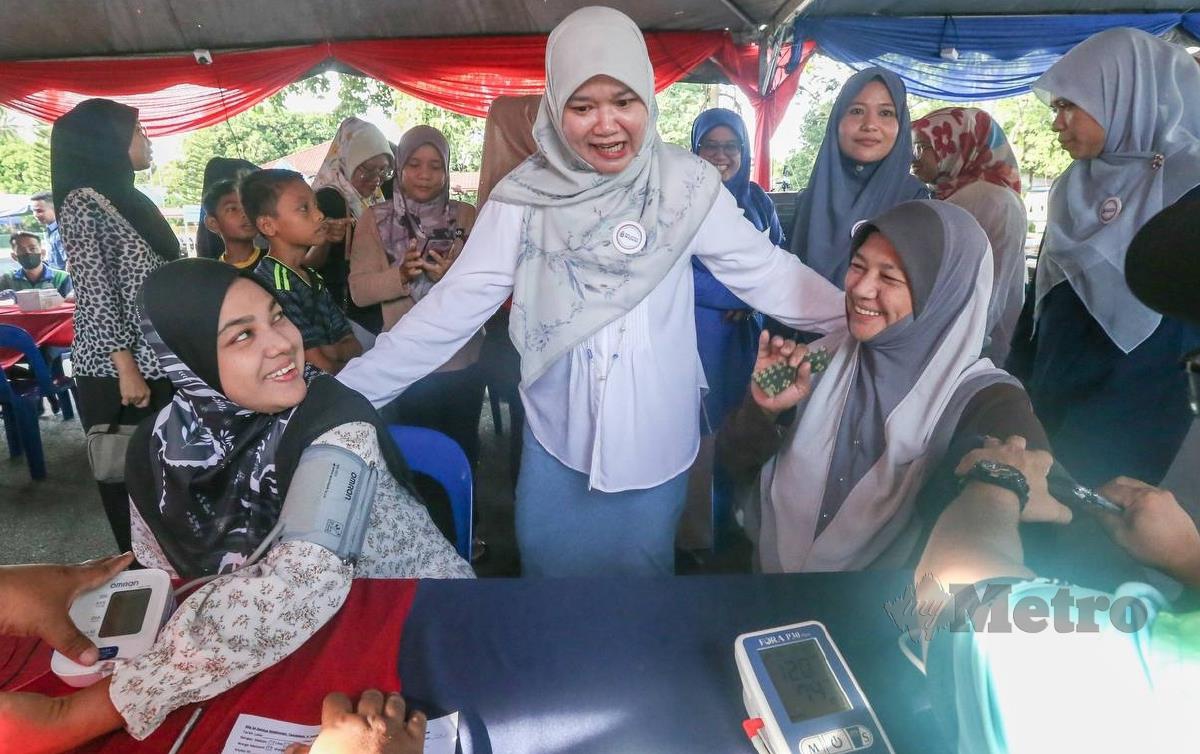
(800, 695)
(122, 618)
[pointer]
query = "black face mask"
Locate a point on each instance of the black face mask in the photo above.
(29, 261)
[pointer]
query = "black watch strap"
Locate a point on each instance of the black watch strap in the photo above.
(1001, 475)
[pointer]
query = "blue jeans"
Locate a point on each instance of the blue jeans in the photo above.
(564, 529)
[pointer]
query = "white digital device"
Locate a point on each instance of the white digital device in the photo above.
(122, 618)
(800, 695)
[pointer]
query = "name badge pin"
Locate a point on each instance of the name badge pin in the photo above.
(629, 237)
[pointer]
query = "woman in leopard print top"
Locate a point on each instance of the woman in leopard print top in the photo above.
(115, 237)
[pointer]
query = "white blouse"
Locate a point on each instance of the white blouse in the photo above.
(623, 405)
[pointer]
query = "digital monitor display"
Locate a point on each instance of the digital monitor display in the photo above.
(125, 613)
(804, 681)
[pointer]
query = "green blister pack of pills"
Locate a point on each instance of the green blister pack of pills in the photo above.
(774, 379)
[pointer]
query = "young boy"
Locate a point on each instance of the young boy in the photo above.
(224, 217)
(34, 272)
(284, 209)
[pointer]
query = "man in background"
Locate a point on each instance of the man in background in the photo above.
(42, 206)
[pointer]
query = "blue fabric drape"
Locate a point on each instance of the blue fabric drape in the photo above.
(999, 56)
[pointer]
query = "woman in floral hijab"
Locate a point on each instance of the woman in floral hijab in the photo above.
(962, 153)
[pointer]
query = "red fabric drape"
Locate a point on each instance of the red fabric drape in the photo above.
(176, 94)
(741, 66)
(466, 75)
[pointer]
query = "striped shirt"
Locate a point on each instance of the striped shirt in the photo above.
(309, 306)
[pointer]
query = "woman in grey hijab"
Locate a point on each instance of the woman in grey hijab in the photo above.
(861, 170)
(593, 236)
(904, 384)
(1101, 366)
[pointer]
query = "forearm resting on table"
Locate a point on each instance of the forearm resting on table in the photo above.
(975, 538)
(46, 724)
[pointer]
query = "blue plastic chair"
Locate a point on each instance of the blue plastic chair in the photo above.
(432, 453)
(21, 398)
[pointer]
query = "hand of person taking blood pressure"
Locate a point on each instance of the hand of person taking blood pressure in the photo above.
(379, 726)
(35, 601)
(1034, 465)
(771, 351)
(1153, 528)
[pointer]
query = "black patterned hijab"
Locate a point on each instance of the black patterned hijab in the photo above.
(89, 148)
(207, 475)
(215, 492)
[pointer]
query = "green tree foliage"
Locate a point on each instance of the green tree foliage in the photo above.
(819, 87)
(1026, 122)
(463, 133)
(24, 165)
(678, 106)
(261, 134)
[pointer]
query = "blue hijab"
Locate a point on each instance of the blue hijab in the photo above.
(755, 203)
(840, 192)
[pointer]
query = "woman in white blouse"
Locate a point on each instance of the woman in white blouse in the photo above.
(593, 237)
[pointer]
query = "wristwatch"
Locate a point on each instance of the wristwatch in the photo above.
(1001, 475)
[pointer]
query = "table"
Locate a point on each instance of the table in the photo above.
(48, 327)
(643, 666)
(639, 665)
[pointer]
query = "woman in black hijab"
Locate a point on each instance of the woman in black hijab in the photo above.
(115, 236)
(207, 477)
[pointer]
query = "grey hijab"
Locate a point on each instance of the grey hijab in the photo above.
(1146, 94)
(571, 278)
(881, 415)
(942, 247)
(841, 192)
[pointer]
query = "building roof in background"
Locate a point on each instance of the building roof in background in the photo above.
(306, 162)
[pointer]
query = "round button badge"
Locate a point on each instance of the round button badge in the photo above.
(629, 237)
(1109, 209)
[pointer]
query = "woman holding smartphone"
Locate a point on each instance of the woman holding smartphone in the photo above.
(397, 259)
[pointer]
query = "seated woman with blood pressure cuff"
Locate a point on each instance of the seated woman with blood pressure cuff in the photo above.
(264, 477)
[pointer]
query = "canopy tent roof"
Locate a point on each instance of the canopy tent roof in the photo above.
(131, 27)
(76, 28)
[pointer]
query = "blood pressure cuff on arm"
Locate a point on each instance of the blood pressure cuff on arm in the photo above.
(1081, 682)
(329, 501)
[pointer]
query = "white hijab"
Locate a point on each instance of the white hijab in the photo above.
(355, 142)
(1146, 94)
(571, 279)
(903, 392)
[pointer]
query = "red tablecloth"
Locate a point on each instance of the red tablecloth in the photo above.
(48, 327)
(358, 649)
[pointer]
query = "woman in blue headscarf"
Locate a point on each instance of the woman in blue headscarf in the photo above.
(861, 171)
(726, 328)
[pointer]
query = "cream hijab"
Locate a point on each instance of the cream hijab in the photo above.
(571, 278)
(881, 415)
(356, 142)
